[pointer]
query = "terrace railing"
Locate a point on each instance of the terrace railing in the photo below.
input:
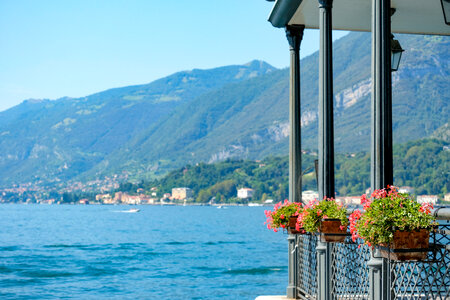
(351, 270)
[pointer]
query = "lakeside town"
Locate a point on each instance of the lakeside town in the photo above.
(182, 196)
(240, 182)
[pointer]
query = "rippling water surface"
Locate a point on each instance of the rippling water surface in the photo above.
(100, 252)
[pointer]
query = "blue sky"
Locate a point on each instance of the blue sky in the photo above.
(52, 49)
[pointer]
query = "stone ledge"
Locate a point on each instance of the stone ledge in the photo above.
(273, 298)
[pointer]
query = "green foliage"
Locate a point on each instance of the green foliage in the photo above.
(222, 190)
(315, 211)
(268, 178)
(421, 164)
(424, 165)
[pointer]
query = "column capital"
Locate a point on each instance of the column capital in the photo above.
(294, 35)
(325, 3)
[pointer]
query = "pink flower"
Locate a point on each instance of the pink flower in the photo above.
(365, 202)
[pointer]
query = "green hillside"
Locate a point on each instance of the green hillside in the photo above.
(421, 164)
(249, 119)
(50, 141)
(238, 112)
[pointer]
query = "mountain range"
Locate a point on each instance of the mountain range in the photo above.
(211, 115)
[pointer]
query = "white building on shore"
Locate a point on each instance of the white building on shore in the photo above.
(432, 199)
(245, 193)
(309, 196)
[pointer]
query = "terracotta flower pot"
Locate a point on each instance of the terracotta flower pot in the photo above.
(331, 232)
(407, 245)
(292, 223)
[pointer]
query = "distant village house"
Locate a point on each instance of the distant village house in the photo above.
(124, 198)
(447, 197)
(309, 196)
(245, 193)
(406, 190)
(84, 201)
(104, 198)
(181, 193)
(433, 199)
(127, 199)
(349, 200)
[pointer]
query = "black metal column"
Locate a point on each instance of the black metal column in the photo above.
(294, 36)
(381, 153)
(326, 128)
(381, 150)
(326, 139)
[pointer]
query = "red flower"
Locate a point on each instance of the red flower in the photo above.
(365, 202)
(353, 218)
(426, 208)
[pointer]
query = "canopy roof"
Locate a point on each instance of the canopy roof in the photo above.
(411, 16)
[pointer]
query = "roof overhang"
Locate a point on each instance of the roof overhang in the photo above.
(411, 16)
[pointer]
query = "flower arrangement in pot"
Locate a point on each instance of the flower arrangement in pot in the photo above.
(395, 223)
(326, 217)
(284, 215)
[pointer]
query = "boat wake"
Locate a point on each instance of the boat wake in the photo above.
(132, 210)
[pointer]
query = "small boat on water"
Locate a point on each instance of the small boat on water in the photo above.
(131, 210)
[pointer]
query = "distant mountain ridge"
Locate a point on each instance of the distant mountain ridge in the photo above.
(211, 115)
(44, 140)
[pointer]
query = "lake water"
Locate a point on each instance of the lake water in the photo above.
(161, 252)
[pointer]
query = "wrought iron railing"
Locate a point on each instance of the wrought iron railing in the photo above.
(428, 279)
(306, 280)
(351, 270)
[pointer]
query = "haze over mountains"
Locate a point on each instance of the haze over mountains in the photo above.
(211, 115)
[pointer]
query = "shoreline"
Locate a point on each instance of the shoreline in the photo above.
(221, 205)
